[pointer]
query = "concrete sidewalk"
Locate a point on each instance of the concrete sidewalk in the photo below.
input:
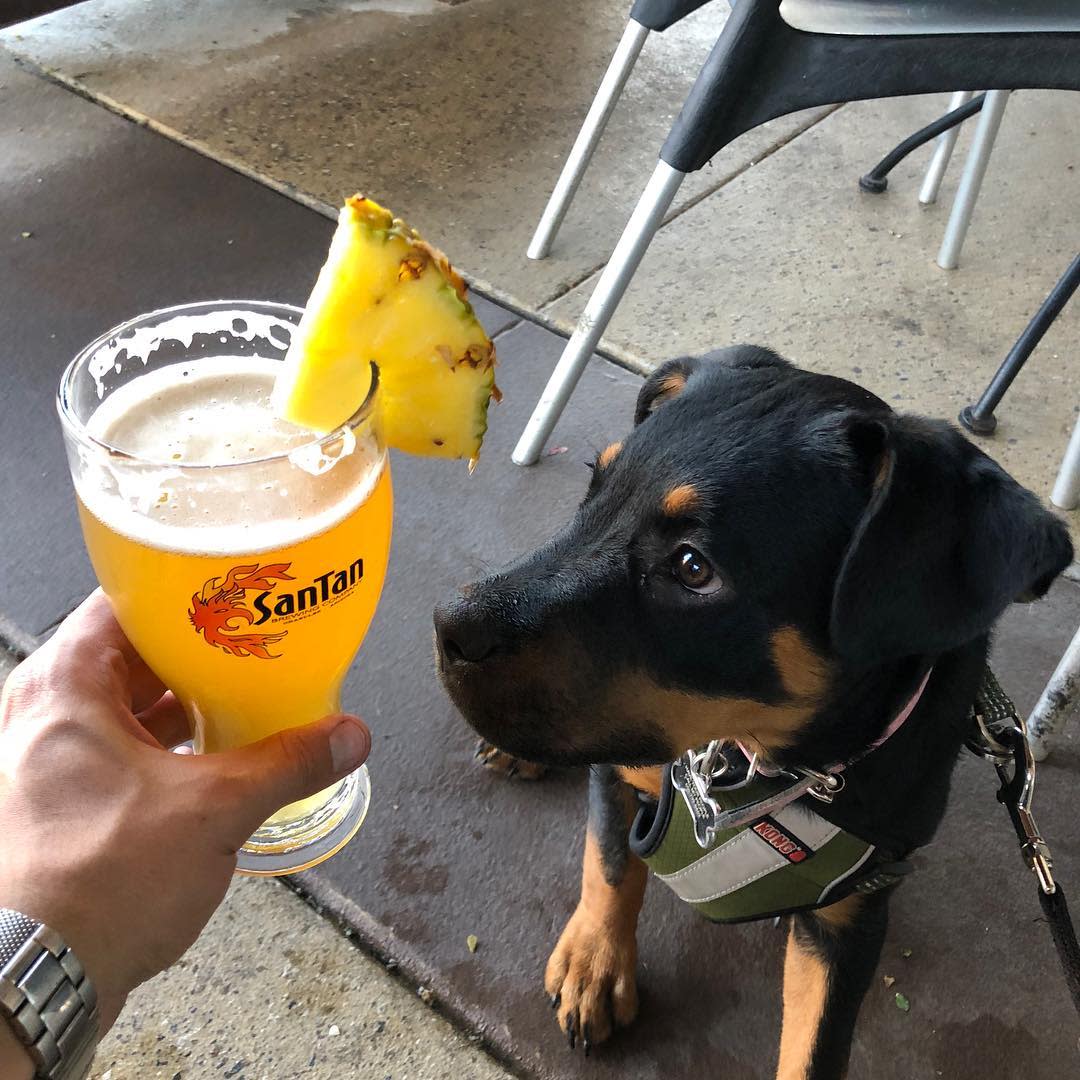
(273, 991)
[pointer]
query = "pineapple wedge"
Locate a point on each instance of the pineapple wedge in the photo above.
(386, 295)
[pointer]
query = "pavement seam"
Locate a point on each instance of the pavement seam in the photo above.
(15, 640)
(481, 287)
(479, 284)
(361, 930)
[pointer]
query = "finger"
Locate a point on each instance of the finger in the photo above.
(87, 634)
(166, 720)
(91, 625)
(258, 780)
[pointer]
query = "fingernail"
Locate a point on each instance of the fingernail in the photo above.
(349, 745)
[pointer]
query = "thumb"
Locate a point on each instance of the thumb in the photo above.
(290, 765)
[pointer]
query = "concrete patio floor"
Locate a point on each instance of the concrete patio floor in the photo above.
(458, 115)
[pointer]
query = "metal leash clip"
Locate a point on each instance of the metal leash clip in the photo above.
(999, 738)
(1017, 792)
(983, 743)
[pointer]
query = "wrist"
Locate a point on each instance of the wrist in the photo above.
(14, 1057)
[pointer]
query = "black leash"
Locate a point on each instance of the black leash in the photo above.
(1000, 738)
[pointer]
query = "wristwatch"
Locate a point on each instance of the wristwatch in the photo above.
(46, 998)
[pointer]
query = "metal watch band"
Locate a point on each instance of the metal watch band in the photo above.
(46, 998)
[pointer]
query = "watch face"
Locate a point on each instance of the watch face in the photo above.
(15, 928)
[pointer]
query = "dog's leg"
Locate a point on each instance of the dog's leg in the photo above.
(830, 961)
(590, 975)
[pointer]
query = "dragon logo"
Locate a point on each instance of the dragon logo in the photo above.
(218, 609)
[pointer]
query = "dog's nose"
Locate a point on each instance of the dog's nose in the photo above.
(465, 635)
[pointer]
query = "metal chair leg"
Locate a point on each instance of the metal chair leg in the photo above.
(1066, 493)
(616, 276)
(979, 418)
(611, 87)
(974, 171)
(1053, 707)
(946, 142)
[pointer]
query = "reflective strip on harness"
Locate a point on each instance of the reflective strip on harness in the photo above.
(791, 860)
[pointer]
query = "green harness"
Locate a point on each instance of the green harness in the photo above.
(764, 864)
(744, 840)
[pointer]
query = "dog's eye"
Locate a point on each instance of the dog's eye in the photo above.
(694, 571)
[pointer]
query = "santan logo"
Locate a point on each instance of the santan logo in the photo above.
(332, 583)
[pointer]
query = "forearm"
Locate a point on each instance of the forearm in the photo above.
(15, 1063)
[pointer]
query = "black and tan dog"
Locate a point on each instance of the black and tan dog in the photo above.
(772, 556)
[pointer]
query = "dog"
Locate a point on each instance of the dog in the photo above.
(771, 556)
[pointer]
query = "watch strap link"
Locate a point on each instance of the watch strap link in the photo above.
(46, 998)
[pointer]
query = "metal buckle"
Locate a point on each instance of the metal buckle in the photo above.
(1018, 791)
(986, 745)
(826, 785)
(698, 773)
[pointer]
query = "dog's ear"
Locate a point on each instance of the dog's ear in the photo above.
(730, 365)
(946, 543)
(667, 381)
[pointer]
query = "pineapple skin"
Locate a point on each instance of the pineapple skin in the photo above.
(385, 295)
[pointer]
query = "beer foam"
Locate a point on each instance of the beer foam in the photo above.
(204, 412)
(277, 484)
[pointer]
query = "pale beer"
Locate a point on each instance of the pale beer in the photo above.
(244, 557)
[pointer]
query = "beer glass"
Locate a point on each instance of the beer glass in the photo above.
(245, 578)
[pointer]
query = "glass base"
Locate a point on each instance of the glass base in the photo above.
(286, 847)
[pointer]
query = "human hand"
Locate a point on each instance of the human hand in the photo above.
(124, 848)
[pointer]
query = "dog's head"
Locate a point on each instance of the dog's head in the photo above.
(763, 535)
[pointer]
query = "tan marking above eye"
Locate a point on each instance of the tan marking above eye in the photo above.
(681, 500)
(669, 387)
(608, 455)
(672, 385)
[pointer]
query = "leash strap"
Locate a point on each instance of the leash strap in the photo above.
(1062, 931)
(1000, 738)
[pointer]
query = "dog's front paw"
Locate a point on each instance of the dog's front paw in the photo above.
(590, 979)
(491, 757)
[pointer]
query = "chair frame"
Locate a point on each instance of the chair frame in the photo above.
(757, 71)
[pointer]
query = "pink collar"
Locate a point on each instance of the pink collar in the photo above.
(898, 721)
(894, 726)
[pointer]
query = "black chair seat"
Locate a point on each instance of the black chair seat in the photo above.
(660, 14)
(871, 18)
